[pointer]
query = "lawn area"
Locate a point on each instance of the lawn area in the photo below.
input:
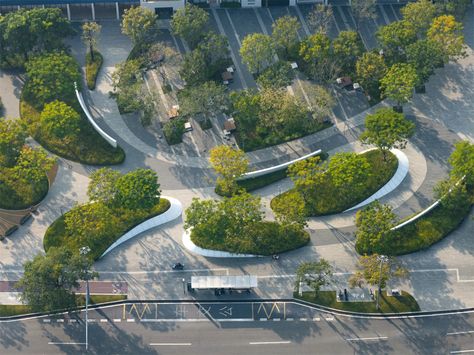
(388, 304)
(328, 199)
(124, 219)
(17, 195)
(87, 148)
(92, 68)
(8, 310)
(426, 231)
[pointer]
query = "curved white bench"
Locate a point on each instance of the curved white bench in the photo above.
(193, 248)
(254, 174)
(99, 130)
(392, 184)
(175, 210)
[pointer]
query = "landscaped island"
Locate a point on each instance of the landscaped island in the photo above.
(344, 181)
(236, 225)
(120, 202)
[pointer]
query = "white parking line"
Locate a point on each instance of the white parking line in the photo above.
(290, 319)
(329, 318)
(461, 351)
(104, 320)
(303, 319)
(317, 319)
(367, 339)
(171, 344)
(46, 320)
(66, 343)
(233, 28)
(263, 319)
(130, 320)
(269, 342)
(60, 321)
(459, 333)
(117, 320)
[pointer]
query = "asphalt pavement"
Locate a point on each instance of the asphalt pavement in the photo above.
(221, 328)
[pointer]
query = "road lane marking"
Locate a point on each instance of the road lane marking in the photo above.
(461, 351)
(329, 318)
(303, 319)
(268, 342)
(117, 320)
(66, 343)
(290, 319)
(263, 319)
(459, 333)
(104, 320)
(171, 344)
(367, 339)
(317, 319)
(60, 320)
(46, 320)
(130, 320)
(72, 320)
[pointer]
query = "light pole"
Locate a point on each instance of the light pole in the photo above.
(382, 259)
(184, 285)
(84, 251)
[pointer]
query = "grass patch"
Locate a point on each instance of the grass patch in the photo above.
(426, 231)
(56, 235)
(330, 200)
(16, 195)
(264, 238)
(388, 304)
(88, 147)
(92, 68)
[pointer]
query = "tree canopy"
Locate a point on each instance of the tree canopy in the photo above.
(230, 164)
(315, 274)
(347, 47)
(446, 33)
(370, 69)
(257, 51)
(285, 34)
(61, 120)
(189, 22)
(387, 129)
(12, 138)
(138, 23)
(363, 10)
(90, 32)
(137, 189)
(462, 162)
(419, 13)
(399, 82)
(208, 99)
(320, 18)
(394, 39)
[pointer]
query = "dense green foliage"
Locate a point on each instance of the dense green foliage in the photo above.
(139, 24)
(236, 225)
(277, 75)
(31, 31)
(23, 180)
(257, 52)
(92, 68)
(174, 130)
(341, 183)
(388, 304)
(189, 22)
(119, 202)
(315, 274)
(270, 117)
(229, 164)
(285, 36)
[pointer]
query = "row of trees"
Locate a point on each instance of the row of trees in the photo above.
(24, 33)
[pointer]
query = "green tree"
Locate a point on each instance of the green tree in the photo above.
(49, 281)
(285, 34)
(370, 69)
(290, 209)
(462, 162)
(321, 102)
(446, 33)
(246, 107)
(347, 47)
(230, 164)
(314, 274)
(102, 185)
(399, 82)
(257, 51)
(137, 189)
(315, 51)
(61, 120)
(277, 75)
(12, 139)
(90, 31)
(454, 195)
(363, 10)
(138, 23)
(33, 164)
(424, 55)
(372, 272)
(452, 7)
(194, 69)
(374, 224)
(208, 99)
(127, 81)
(306, 174)
(395, 38)
(348, 169)
(419, 13)
(215, 49)
(189, 22)
(387, 129)
(52, 77)
(320, 18)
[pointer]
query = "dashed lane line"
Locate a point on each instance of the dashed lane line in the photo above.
(461, 351)
(367, 339)
(269, 342)
(461, 333)
(171, 344)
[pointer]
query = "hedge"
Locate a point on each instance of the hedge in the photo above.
(92, 68)
(328, 199)
(264, 238)
(56, 234)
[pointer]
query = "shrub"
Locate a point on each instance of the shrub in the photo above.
(92, 68)
(174, 130)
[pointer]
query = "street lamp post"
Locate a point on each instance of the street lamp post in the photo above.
(382, 259)
(184, 285)
(84, 251)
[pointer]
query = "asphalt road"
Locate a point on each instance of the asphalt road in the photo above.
(158, 329)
